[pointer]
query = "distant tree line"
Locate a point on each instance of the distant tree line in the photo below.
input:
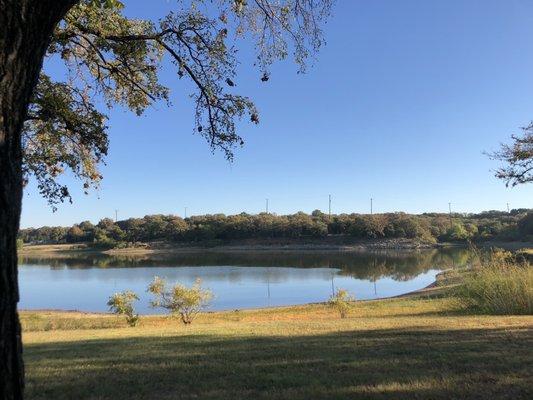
(429, 227)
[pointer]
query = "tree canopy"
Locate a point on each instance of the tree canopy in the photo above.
(431, 228)
(517, 158)
(117, 59)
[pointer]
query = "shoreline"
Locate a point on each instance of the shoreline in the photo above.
(158, 248)
(432, 289)
(42, 250)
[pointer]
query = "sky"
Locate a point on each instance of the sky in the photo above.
(399, 106)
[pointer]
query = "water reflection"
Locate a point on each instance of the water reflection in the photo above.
(238, 280)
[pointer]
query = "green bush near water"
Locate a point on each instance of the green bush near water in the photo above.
(342, 301)
(122, 304)
(498, 285)
(179, 299)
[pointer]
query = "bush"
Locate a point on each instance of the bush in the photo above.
(102, 241)
(179, 299)
(498, 285)
(342, 302)
(525, 225)
(122, 304)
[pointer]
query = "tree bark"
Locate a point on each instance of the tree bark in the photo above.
(26, 27)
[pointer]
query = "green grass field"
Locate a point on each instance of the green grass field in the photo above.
(391, 349)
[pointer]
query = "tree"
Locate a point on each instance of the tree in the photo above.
(106, 224)
(525, 225)
(517, 158)
(75, 234)
(121, 303)
(179, 299)
(175, 228)
(47, 127)
(341, 301)
(458, 232)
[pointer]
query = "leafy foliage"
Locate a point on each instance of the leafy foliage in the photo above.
(116, 60)
(341, 301)
(63, 130)
(122, 304)
(517, 158)
(179, 299)
(428, 228)
(525, 225)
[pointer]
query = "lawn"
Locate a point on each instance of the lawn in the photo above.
(391, 349)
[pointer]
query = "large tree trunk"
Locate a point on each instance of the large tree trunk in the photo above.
(25, 30)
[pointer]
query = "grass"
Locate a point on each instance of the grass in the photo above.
(498, 283)
(498, 290)
(401, 348)
(526, 254)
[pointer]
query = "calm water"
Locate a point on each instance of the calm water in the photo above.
(237, 280)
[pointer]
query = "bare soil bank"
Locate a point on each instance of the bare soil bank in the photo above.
(331, 243)
(327, 244)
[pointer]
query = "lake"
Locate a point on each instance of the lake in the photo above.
(238, 280)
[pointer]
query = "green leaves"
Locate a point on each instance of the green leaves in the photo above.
(63, 130)
(179, 299)
(106, 4)
(121, 303)
(341, 301)
(117, 59)
(517, 159)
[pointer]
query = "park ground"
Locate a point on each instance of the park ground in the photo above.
(405, 348)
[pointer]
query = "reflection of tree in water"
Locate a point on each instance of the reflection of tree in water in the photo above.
(398, 265)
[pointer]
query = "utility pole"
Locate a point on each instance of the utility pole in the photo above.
(371, 206)
(329, 212)
(450, 211)
(185, 212)
(116, 215)
(266, 206)
(508, 211)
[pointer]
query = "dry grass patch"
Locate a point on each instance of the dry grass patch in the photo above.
(393, 349)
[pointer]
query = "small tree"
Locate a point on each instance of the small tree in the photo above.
(517, 159)
(122, 304)
(179, 299)
(341, 301)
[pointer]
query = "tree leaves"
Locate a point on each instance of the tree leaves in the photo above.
(517, 158)
(117, 59)
(63, 130)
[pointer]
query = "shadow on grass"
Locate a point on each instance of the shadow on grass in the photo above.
(377, 364)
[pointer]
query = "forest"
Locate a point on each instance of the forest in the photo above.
(427, 228)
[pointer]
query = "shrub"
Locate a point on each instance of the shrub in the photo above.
(341, 301)
(525, 225)
(179, 299)
(122, 304)
(499, 284)
(101, 240)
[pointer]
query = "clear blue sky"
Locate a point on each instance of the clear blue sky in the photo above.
(399, 106)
